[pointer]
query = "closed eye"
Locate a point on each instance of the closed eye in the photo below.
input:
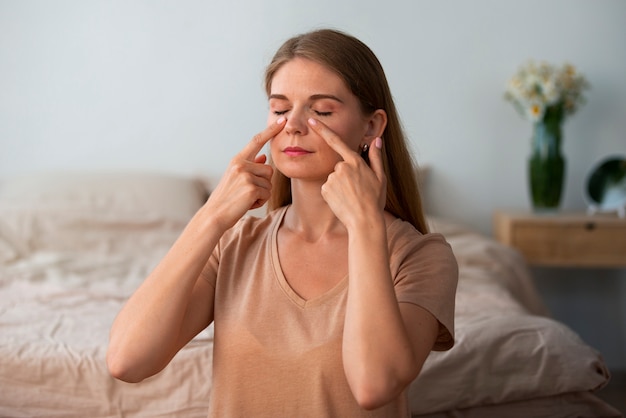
(322, 113)
(280, 112)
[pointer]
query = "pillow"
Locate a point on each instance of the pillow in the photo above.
(506, 358)
(506, 349)
(107, 196)
(40, 210)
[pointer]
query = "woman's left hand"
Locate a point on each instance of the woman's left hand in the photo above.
(354, 191)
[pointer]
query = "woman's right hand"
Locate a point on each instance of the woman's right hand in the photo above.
(247, 182)
(175, 293)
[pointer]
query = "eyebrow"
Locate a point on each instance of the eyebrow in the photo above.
(312, 98)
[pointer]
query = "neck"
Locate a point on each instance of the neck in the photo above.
(309, 214)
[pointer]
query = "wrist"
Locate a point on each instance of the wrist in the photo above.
(370, 225)
(208, 221)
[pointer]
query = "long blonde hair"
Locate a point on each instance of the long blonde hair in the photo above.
(356, 64)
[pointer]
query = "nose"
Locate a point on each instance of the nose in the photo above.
(296, 123)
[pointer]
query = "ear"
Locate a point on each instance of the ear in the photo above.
(376, 124)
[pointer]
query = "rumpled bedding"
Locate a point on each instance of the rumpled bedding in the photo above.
(507, 348)
(65, 271)
(56, 309)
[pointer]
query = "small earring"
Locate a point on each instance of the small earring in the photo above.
(364, 153)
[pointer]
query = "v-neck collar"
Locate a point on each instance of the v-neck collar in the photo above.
(282, 280)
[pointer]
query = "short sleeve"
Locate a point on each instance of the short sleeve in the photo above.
(236, 241)
(425, 273)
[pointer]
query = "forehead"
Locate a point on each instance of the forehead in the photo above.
(301, 75)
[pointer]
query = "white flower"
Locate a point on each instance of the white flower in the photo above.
(535, 112)
(537, 87)
(550, 92)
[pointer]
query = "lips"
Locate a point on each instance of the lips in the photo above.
(295, 151)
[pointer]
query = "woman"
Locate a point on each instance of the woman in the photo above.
(330, 304)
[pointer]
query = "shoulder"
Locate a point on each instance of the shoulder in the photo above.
(423, 259)
(250, 227)
(251, 235)
(404, 239)
(425, 273)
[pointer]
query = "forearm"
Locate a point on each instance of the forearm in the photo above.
(148, 330)
(173, 304)
(377, 352)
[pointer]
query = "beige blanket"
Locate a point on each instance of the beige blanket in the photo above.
(65, 271)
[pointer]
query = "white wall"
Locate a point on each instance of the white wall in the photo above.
(176, 86)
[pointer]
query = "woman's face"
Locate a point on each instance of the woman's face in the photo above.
(303, 89)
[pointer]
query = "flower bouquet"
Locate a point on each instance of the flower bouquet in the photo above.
(545, 95)
(542, 90)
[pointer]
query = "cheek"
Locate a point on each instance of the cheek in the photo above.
(328, 156)
(274, 148)
(351, 136)
(351, 129)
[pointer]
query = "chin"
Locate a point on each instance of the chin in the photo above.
(299, 171)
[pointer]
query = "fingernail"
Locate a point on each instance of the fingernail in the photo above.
(312, 122)
(280, 120)
(379, 142)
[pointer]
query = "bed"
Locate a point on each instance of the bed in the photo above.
(74, 246)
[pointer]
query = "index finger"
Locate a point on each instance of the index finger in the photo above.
(253, 147)
(331, 138)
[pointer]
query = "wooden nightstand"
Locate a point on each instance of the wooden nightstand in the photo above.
(562, 239)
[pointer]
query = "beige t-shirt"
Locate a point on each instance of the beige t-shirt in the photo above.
(278, 355)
